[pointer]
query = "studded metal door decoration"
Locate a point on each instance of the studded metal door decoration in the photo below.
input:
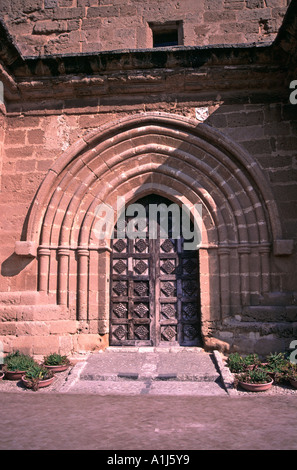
(154, 290)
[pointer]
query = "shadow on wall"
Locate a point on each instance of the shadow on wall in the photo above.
(14, 265)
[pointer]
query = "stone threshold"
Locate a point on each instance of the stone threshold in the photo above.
(152, 349)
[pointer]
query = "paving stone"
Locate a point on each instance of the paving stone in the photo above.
(151, 363)
(148, 371)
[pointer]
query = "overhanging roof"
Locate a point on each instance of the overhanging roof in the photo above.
(180, 69)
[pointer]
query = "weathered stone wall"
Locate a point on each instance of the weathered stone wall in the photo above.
(59, 299)
(268, 133)
(2, 131)
(73, 26)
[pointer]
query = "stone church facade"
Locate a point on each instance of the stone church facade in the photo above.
(189, 102)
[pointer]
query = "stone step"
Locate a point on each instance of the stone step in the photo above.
(156, 364)
(30, 306)
(278, 299)
(47, 312)
(26, 298)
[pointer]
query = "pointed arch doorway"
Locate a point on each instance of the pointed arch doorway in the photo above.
(154, 291)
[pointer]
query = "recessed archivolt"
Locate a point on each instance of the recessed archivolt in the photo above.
(165, 150)
(154, 154)
(150, 184)
(86, 198)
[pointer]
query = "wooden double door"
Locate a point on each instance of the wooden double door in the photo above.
(154, 287)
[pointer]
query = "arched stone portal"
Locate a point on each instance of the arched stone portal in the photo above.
(168, 155)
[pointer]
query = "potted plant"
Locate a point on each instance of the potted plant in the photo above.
(290, 374)
(37, 376)
(277, 359)
(256, 380)
(16, 364)
(237, 363)
(56, 362)
(293, 379)
(252, 361)
(276, 366)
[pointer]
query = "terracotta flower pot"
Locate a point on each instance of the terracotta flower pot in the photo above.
(41, 384)
(14, 374)
(59, 368)
(256, 387)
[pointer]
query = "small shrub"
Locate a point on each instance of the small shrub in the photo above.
(252, 360)
(56, 360)
(255, 376)
(289, 372)
(35, 374)
(18, 362)
(277, 365)
(277, 360)
(237, 363)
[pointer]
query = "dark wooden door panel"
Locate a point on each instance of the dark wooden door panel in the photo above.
(154, 290)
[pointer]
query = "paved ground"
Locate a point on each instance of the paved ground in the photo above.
(152, 400)
(114, 423)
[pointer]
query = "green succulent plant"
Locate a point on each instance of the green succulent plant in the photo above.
(35, 374)
(255, 376)
(277, 365)
(277, 360)
(55, 360)
(18, 362)
(238, 363)
(290, 372)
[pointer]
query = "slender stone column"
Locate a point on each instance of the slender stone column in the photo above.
(265, 268)
(224, 255)
(104, 290)
(244, 253)
(83, 265)
(63, 275)
(43, 261)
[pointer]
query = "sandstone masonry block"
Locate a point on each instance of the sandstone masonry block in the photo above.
(68, 13)
(44, 344)
(255, 3)
(50, 27)
(35, 136)
(103, 11)
(25, 249)
(89, 342)
(283, 247)
(63, 327)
